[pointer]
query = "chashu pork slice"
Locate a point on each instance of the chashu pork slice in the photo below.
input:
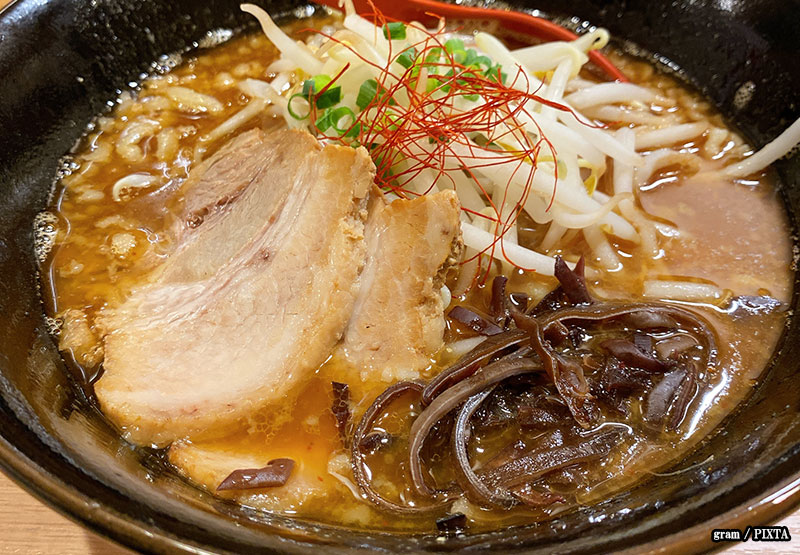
(398, 321)
(250, 302)
(216, 181)
(217, 184)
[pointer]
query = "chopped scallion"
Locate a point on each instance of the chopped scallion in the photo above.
(315, 84)
(303, 99)
(394, 30)
(454, 45)
(484, 61)
(434, 55)
(329, 98)
(332, 119)
(367, 93)
(407, 57)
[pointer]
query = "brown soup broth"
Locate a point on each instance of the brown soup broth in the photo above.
(732, 234)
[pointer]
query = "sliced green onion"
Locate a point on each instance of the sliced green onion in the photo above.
(338, 115)
(460, 57)
(315, 84)
(407, 57)
(367, 93)
(333, 116)
(395, 30)
(434, 55)
(494, 71)
(453, 45)
(469, 57)
(391, 121)
(447, 87)
(323, 122)
(326, 99)
(484, 61)
(329, 98)
(434, 82)
(294, 114)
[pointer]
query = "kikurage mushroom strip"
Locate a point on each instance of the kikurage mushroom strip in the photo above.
(535, 342)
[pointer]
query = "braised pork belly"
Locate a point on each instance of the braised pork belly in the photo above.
(234, 318)
(398, 320)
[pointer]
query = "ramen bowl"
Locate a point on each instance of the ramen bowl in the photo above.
(62, 62)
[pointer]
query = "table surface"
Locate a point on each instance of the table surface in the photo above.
(28, 527)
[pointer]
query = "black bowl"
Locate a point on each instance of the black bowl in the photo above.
(62, 60)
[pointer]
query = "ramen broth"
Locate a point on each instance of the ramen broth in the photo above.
(732, 234)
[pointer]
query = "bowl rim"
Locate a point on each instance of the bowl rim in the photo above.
(133, 532)
(98, 517)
